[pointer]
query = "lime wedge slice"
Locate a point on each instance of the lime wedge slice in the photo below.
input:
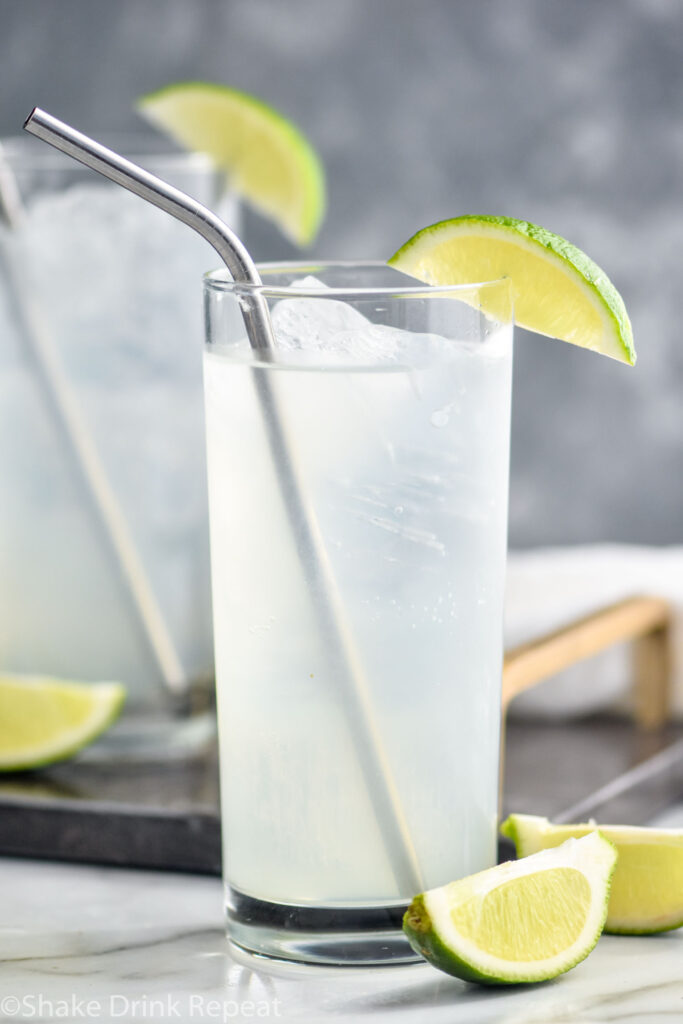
(558, 290)
(267, 159)
(45, 720)
(527, 920)
(647, 887)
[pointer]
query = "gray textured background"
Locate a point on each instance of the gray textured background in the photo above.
(565, 112)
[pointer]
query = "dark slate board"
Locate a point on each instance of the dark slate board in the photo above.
(163, 814)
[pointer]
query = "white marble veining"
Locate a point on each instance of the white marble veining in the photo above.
(88, 943)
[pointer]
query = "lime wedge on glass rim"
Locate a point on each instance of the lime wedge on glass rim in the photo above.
(558, 290)
(525, 921)
(647, 886)
(44, 720)
(266, 158)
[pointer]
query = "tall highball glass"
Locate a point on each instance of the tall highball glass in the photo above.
(101, 425)
(358, 697)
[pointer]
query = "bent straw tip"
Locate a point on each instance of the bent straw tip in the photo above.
(29, 120)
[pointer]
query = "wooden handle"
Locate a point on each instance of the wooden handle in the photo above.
(645, 620)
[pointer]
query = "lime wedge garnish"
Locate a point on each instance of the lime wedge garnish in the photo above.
(558, 290)
(267, 159)
(527, 920)
(647, 887)
(45, 720)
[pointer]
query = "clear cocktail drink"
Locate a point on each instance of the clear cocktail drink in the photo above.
(98, 303)
(396, 403)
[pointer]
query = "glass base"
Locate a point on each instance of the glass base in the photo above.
(174, 728)
(332, 936)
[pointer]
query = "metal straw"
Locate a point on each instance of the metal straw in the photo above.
(65, 403)
(303, 522)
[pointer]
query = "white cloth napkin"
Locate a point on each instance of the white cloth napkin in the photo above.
(549, 587)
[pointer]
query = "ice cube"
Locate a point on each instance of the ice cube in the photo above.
(314, 325)
(334, 330)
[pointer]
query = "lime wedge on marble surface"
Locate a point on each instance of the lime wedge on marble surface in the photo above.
(267, 159)
(44, 720)
(647, 887)
(524, 921)
(557, 289)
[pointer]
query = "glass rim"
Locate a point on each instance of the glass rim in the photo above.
(23, 154)
(217, 280)
(217, 283)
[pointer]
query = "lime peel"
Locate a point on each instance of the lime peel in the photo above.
(523, 921)
(267, 159)
(558, 290)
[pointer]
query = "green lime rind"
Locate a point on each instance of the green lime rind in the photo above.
(462, 958)
(531, 833)
(110, 698)
(309, 167)
(510, 830)
(575, 262)
(614, 928)
(418, 928)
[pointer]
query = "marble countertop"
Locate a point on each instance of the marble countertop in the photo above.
(93, 943)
